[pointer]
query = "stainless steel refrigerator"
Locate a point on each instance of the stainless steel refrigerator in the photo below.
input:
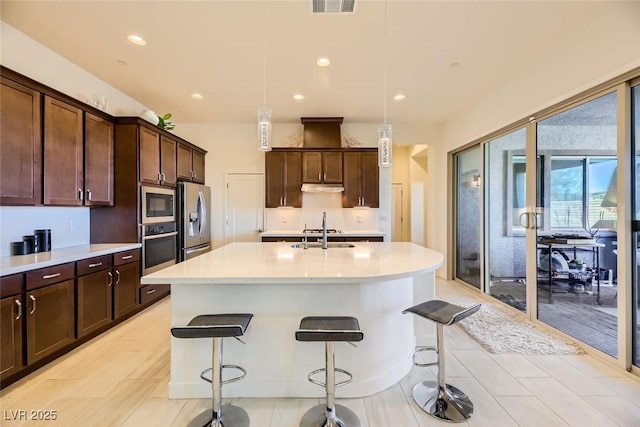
(194, 222)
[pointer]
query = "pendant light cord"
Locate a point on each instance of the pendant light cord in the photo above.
(264, 53)
(385, 62)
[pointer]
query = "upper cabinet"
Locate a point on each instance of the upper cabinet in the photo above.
(157, 158)
(361, 184)
(63, 154)
(20, 145)
(190, 164)
(56, 150)
(322, 167)
(283, 171)
(98, 161)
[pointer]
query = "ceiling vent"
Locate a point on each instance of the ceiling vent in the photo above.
(333, 6)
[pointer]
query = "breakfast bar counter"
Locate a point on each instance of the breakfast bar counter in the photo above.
(280, 284)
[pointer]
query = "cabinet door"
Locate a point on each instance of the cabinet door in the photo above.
(125, 288)
(197, 163)
(98, 161)
(370, 182)
(63, 154)
(50, 319)
(11, 312)
(20, 145)
(351, 195)
(168, 160)
(312, 167)
(293, 179)
(274, 179)
(149, 156)
(332, 167)
(94, 301)
(184, 170)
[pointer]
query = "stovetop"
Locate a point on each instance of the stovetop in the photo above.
(319, 230)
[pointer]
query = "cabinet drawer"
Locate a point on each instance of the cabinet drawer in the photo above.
(364, 239)
(149, 293)
(281, 239)
(126, 257)
(91, 265)
(11, 285)
(49, 275)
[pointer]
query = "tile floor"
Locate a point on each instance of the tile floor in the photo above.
(121, 379)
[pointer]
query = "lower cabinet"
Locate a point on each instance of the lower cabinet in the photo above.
(149, 293)
(95, 302)
(50, 313)
(11, 313)
(125, 288)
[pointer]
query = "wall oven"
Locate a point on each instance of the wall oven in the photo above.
(158, 205)
(159, 246)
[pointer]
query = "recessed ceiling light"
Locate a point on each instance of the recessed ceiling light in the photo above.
(121, 62)
(196, 95)
(399, 97)
(323, 62)
(298, 97)
(455, 65)
(136, 39)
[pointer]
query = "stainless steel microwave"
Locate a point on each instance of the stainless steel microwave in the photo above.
(158, 205)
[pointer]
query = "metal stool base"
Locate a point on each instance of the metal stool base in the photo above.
(317, 417)
(449, 404)
(232, 416)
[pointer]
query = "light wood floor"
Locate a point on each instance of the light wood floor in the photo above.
(121, 379)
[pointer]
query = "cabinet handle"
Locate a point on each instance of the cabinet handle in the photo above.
(324, 177)
(33, 310)
(285, 200)
(19, 304)
(110, 282)
(80, 194)
(118, 278)
(151, 291)
(164, 178)
(194, 175)
(97, 264)
(126, 257)
(88, 194)
(319, 177)
(159, 178)
(51, 276)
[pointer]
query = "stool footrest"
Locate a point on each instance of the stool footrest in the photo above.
(338, 384)
(420, 350)
(230, 380)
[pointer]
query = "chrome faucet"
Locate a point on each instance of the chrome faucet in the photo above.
(305, 239)
(324, 231)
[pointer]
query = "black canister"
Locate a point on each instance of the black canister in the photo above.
(19, 248)
(43, 239)
(32, 243)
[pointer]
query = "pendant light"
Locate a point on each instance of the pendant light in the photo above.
(384, 130)
(264, 114)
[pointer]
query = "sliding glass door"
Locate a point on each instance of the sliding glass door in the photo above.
(576, 234)
(635, 291)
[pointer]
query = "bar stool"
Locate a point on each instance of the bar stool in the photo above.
(329, 329)
(218, 326)
(439, 399)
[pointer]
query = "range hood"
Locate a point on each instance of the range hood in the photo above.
(322, 188)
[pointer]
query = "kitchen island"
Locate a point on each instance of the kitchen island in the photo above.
(280, 284)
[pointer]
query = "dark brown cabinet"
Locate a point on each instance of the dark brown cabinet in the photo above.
(126, 282)
(283, 170)
(63, 154)
(94, 294)
(11, 317)
(157, 157)
(190, 164)
(361, 186)
(98, 161)
(50, 313)
(322, 167)
(20, 121)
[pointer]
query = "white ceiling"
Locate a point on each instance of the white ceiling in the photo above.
(216, 48)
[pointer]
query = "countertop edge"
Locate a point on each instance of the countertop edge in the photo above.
(22, 263)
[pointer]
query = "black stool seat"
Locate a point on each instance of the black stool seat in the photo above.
(442, 312)
(329, 328)
(214, 326)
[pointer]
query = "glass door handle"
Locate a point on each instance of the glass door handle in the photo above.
(528, 220)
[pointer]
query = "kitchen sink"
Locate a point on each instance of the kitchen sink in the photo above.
(311, 245)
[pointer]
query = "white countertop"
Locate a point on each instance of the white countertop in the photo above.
(280, 263)
(21, 263)
(343, 233)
